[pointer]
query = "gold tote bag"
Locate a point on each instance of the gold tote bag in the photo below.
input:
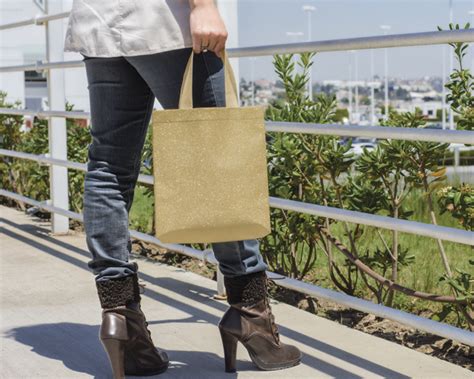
(210, 169)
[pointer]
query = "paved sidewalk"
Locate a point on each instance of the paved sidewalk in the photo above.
(50, 318)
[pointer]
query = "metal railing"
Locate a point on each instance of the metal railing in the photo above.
(409, 319)
(384, 222)
(375, 42)
(427, 135)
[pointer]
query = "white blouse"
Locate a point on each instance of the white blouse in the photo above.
(110, 28)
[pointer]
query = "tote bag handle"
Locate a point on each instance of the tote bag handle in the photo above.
(186, 94)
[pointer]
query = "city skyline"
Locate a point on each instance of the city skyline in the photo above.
(360, 18)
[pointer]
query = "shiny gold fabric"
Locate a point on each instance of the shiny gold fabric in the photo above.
(210, 169)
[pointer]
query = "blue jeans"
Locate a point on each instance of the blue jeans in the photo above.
(122, 92)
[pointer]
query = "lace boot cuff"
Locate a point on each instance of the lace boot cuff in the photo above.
(116, 292)
(247, 289)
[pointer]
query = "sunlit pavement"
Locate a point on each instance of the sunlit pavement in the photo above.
(50, 318)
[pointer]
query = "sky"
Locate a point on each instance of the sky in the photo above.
(263, 22)
(268, 21)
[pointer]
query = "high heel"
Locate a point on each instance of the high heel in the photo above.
(124, 332)
(116, 351)
(250, 321)
(229, 343)
(113, 335)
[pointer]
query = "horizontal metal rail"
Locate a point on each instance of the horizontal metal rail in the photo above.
(37, 20)
(45, 114)
(361, 43)
(42, 66)
(408, 319)
(384, 222)
(47, 160)
(381, 132)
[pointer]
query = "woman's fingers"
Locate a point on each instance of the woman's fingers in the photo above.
(207, 29)
(197, 43)
(213, 41)
(209, 41)
(220, 48)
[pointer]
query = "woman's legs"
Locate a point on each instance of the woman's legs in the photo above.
(121, 105)
(122, 92)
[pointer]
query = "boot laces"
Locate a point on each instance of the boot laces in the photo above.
(272, 316)
(142, 285)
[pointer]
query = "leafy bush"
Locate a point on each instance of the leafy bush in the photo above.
(321, 169)
(28, 177)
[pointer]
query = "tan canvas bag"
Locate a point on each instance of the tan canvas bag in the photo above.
(210, 169)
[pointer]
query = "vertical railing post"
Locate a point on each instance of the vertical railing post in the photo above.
(221, 292)
(57, 133)
(457, 157)
(229, 11)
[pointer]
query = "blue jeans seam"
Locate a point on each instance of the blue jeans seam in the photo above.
(136, 158)
(242, 268)
(136, 164)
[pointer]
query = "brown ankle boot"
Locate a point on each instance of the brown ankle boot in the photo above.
(250, 321)
(124, 332)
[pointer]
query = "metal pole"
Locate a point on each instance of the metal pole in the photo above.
(356, 64)
(451, 66)
(386, 28)
(229, 11)
(221, 292)
(309, 9)
(310, 79)
(252, 62)
(471, 12)
(57, 133)
(372, 89)
(386, 82)
(443, 112)
(349, 86)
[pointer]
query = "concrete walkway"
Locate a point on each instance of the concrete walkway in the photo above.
(50, 319)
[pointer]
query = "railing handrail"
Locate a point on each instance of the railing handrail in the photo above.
(385, 222)
(37, 20)
(359, 43)
(42, 66)
(45, 114)
(381, 132)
